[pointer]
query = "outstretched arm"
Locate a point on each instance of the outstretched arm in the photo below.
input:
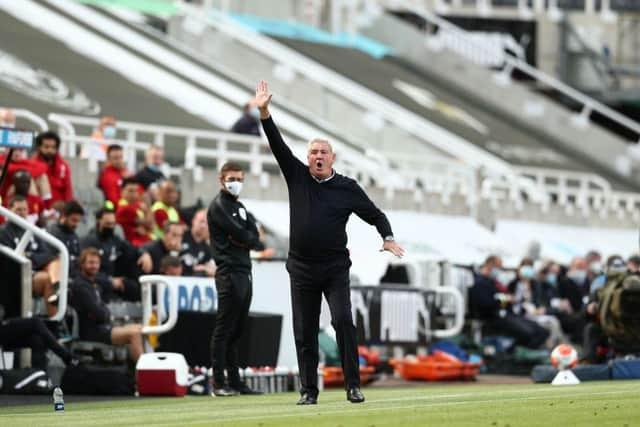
(286, 160)
(369, 212)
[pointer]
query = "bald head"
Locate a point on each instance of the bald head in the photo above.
(7, 117)
(168, 193)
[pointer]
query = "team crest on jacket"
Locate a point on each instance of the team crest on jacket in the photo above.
(243, 214)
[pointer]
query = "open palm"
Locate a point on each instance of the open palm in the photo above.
(263, 97)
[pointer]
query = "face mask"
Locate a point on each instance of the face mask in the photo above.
(66, 228)
(109, 132)
(551, 279)
(495, 272)
(255, 113)
(106, 232)
(596, 267)
(233, 187)
(7, 125)
(578, 276)
(527, 272)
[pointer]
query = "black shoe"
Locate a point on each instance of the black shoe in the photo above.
(354, 395)
(246, 390)
(224, 391)
(308, 399)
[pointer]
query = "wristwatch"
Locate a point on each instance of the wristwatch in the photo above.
(389, 239)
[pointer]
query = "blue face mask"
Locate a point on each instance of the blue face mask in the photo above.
(109, 132)
(495, 273)
(255, 113)
(527, 272)
(551, 279)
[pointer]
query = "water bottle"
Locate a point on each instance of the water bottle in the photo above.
(58, 400)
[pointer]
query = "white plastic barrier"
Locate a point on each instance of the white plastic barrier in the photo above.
(31, 231)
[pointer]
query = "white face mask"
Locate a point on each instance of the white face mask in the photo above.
(233, 187)
(7, 125)
(578, 276)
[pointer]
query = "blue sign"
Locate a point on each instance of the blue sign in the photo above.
(195, 294)
(16, 138)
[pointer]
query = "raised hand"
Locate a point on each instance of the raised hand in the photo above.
(263, 98)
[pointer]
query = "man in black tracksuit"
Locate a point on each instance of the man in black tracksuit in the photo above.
(233, 233)
(320, 203)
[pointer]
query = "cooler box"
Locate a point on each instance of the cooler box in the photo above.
(162, 374)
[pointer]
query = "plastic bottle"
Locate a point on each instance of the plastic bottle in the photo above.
(58, 400)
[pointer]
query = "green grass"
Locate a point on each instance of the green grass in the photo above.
(597, 403)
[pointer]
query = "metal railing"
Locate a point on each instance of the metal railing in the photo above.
(20, 113)
(487, 7)
(30, 231)
(512, 63)
(161, 284)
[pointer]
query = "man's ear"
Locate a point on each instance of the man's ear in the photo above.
(334, 157)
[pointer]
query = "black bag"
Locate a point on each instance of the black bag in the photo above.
(25, 381)
(97, 381)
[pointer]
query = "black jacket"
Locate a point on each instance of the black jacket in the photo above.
(483, 303)
(147, 176)
(157, 250)
(70, 239)
(118, 258)
(193, 253)
(39, 252)
(233, 234)
(88, 299)
(319, 211)
(246, 125)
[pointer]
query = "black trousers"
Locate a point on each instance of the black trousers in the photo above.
(308, 284)
(525, 332)
(34, 334)
(234, 298)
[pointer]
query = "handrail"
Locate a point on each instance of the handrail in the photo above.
(162, 283)
(354, 92)
(511, 62)
(31, 230)
(30, 116)
(458, 324)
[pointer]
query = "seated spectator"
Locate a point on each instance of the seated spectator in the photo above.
(57, 169)
(151, 174)
(490, 302)
(529, 301)
(572, 284)
(21, 184)
(114, 172)
(196, 253)
(120, 262)
(44, 262)
(248, 123)
(65, 231)
(105, 132)
(165, 208)
(88, 299)
(595, 271)
(170, 244)
(557, 290)
(133, 215)
(171, 266)
(633, 264)
(40, 181)
(33, 333)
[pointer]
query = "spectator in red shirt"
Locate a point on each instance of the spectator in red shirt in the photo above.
(21, 184)
(134, 216)
(57, 169)
(113, 173)
(40, 182)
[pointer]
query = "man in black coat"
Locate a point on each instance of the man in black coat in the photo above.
(65, 231)
(320, 203)
(490, 302)
(120, 262)
(233, 234)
